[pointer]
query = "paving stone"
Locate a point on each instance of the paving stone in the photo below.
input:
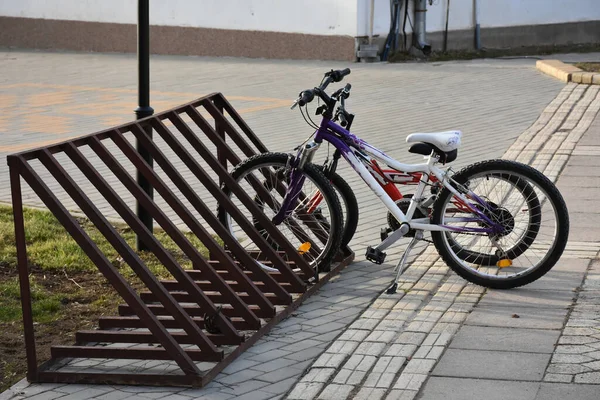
(558, 391)
(370, 348)
(305, 391)
(330, 360)
(269, 355)
(528, 298)
(492, 365)
(274, 364)
(280, 387)
(336, 392)
(401, 350)
(559, 358)
(307, 354)
(588, 377)
(343, 347)
(240, 376)
(419, 366)
(410, 381)
(563, 378)
(397, 394)
(442, 388)
(321, 375)
(47, 395)
(370, 394)
(567, 369)
(280, 374)
(496, 338)
(504, 316)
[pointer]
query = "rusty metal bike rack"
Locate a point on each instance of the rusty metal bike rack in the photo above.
(199, 321)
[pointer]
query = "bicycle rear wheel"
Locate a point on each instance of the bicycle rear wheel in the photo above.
(314, 227)
(530, 211)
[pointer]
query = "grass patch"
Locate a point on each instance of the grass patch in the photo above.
(45, 305)
(589, 66)
(495, 53)
(51, 248)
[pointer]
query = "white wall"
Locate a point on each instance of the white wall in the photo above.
(321, 17)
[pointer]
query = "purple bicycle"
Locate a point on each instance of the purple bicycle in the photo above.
(497, 223)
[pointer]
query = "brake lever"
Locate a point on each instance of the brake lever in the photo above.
(295, 104)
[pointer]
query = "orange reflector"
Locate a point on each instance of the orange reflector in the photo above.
(304, 247)
(503, 263)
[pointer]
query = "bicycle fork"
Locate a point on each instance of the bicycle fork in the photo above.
(305, 154)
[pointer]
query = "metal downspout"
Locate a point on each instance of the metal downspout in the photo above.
(420, 26)
(477, 30)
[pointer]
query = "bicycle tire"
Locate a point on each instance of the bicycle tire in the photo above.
(329, 225)
(551, 204)
(350, 210)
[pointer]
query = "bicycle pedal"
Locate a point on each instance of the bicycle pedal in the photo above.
(385, 232)
(374, 255)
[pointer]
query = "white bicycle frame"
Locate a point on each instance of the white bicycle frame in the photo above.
(427, 169)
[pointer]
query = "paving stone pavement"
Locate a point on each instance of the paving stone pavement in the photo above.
(349, 340)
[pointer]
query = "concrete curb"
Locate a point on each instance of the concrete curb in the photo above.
(567, 72)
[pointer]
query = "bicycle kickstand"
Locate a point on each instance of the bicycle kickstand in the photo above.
(401, 266)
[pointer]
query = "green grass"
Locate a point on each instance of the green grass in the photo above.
(52, 250)
(45, 305)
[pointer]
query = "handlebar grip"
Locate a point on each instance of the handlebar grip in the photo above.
(346, 92)
(306, 97)
(338, 75)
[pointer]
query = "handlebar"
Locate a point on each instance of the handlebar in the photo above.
(306, 96)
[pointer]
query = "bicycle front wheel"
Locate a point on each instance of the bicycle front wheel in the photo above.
(314, 225)
(531, 219)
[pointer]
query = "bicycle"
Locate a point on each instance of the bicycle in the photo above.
(497, 223)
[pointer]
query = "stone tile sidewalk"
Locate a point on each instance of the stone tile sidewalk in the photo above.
(436, 337)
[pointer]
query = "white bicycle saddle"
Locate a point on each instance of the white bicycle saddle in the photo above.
(445, 141)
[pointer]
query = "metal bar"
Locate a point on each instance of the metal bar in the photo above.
(171, 230)
(125, 213)
(108, 270)
(221, 132)
(20, 242)
(215, 249)
(99, 336)
(207, 285)
(193, 310)
(228, 128)
(221, 100)
(144, 110)
(129, 256)
(168, 323)
(129, 353)
(215, 297)
(239, 252)
(271, 229)
(119, 379)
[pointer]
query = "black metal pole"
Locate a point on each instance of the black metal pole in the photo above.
(144, 109)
